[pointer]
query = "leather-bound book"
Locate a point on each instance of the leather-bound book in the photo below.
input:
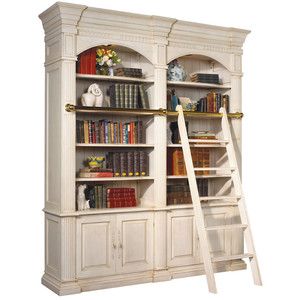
(136, 163)
(143, 163)
(116, 164)
(123, 163)
(130, 162)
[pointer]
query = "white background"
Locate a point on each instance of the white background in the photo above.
(271, 100)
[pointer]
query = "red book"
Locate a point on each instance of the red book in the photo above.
(83, 62)
(93, 61)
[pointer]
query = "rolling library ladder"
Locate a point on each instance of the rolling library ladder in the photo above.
(199, 216)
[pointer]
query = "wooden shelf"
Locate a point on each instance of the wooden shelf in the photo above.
(114, 78)
(198, 85)
(127, 178)
(198, 145)
(83, 145)
(199, 176)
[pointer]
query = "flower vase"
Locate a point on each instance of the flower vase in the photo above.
(103, 71)
(110, 71)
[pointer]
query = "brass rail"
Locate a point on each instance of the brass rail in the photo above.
(146, 112)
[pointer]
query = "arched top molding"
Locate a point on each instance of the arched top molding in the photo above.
(84, 44)
(223, 58)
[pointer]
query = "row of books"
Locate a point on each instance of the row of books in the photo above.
(128, 96)
(180, 193)
(109, 132)
(176, 164)
(86, 62)
(102, 196)
(130, 163)
(213, 102)
(205, 78)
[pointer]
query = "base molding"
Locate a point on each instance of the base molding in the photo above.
(60, 288)
(96, 283)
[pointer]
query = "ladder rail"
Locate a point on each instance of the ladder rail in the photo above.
(198, 213)
(241, 203)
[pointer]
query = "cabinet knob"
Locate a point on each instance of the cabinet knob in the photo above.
(114, 246)
(121, 246)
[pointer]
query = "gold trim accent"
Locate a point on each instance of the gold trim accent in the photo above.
(146, 112)
(70, 107)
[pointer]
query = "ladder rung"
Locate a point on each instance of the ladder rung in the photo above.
(212, 198)
(231, 257)
(215, 169)
(225, 227)
(208, 141)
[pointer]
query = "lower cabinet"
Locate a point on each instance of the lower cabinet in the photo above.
(183, 246)
(114, 244)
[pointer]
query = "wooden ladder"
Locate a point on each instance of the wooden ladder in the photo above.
(196, 199)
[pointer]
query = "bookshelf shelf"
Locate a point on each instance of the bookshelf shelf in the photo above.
(199, 176)
(198, 85)
(114, 78)
(133, 178)
(79, 241)
(198, 146)
(115, 145)
(204, 115)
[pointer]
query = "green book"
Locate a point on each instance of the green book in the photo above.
(117, 94)
(143, 97)
(135, 96)
(122, 96)
(131, 91)
(100, 196)
(126, 95)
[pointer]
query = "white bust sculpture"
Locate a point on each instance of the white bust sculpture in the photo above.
(82, 203)
(93, 97)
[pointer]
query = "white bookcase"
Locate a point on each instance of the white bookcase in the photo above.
(100, 248)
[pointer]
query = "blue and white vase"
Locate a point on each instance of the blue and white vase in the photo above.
(175, 71)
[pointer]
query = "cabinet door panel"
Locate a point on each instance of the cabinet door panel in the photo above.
(182, 239)
(135, 242)
(219, 240)
(95, 256)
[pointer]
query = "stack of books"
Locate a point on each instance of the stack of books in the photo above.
(86, 63)
(213, 102)
(109, 132)
(180, 193)
(128, 96)
(176, 165)
(202, 135)
(129, 72)
(121, 197)
(205, 78)
(95, 173)
(130, 163)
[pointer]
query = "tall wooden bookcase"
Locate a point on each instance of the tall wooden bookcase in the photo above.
(99, 248)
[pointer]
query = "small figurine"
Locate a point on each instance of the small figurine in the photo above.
(82, 203)
(93, 97)
(95, 161)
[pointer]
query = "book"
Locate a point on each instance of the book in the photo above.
(205, 78)
(129, 72)
(136, 163)
(143, 163)
(122, 95)
(126, 96)
(213, 102)
(135, 96)
(130, 163)
(144, 102)
(116, 164)
(123, 164)
(117, 95)
(130, 96)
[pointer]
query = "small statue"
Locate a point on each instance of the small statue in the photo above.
(82, 203)
(93, 97)
(95, 161)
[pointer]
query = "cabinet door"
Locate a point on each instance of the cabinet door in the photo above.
(182, 243)
(95, 246)
(135, 242)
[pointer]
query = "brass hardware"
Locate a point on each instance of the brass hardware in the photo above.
(114, 246)
(121, 246)
(147, 112)
(70, 107)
